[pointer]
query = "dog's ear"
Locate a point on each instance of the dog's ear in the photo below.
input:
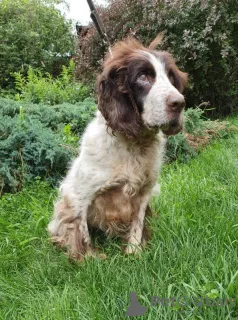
(157, 41)
(116, 102)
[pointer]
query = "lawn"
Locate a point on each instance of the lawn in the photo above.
(192, 257)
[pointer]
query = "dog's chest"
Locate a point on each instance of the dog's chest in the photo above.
(138, 165)
(134, 171)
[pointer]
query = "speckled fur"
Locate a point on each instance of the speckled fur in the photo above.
(110, 183)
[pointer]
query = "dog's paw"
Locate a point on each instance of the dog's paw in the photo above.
(94, 253)
(88, 254)
(156, 190)
(133, 249)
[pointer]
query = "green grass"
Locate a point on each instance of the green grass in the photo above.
(193, 252)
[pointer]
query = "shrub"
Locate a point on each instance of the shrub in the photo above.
(38, 140)
(54, 117)
(35, 33)
(43, 88)
(28, 149)
(198, 132)
(202, 35)
(178, 148)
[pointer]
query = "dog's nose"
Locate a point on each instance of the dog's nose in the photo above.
(175, 102)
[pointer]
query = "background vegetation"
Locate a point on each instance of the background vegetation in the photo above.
(38, 141)
(42, 87)
(32, 33)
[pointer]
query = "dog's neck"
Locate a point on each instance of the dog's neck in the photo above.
(145, 138)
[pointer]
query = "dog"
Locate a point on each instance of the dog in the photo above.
(110, 183)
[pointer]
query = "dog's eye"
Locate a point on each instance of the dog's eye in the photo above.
(143, 79)
(171, 77)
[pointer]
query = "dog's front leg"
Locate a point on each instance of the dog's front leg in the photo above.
(84, 238)
(136, 230)
(69, 226)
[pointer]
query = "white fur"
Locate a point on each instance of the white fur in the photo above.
(155, 108)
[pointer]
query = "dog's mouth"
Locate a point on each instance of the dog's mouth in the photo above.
(171, 128)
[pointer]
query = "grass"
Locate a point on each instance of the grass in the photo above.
(193, 252)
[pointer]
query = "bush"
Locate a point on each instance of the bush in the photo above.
(43, 88)
(198, 132)
(179, 149)
(54, 117)
(202, 35)
(38, 140)
(35, 33)
(28, 149)
(179, 146)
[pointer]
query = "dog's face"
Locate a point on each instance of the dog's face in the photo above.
(140, 87)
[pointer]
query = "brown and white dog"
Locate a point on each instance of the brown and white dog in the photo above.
(110, 183)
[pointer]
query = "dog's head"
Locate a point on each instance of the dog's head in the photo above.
(140, 87)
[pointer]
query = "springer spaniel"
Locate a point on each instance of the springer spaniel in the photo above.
(110, 183)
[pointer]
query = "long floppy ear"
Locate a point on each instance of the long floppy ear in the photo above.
(116, 102)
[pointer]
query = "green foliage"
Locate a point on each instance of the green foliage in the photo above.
(33, 33)
(68, 136)
(38, 140)
(178, 148)
(195, 122)
(198, 132)
(54, 117)
(202, 35)
(28, 149)
(43, 88)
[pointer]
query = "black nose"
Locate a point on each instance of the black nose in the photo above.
(175, 102)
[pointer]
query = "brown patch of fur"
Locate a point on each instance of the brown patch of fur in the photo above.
(157, 41)
(113, 212)
(68, 234)
(115, 98)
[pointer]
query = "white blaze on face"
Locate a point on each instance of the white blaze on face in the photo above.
(155, 107)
